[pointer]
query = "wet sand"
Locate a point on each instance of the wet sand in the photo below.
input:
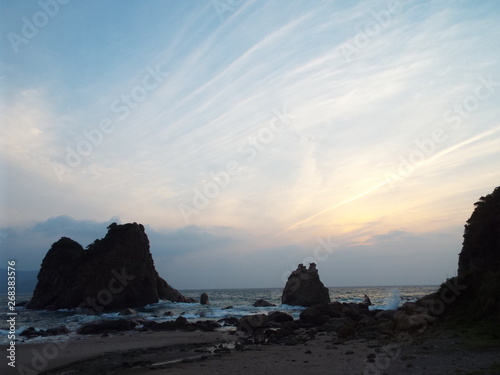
(214, 353)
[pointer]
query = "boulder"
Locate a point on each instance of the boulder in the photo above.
(385, 314)
(262, 303)
(249, 323)
(114, 272)
(316, 314)
(204, 299)
(336, 324)
(206, 326)
(106, 326)
(304, 288)
(412, 323)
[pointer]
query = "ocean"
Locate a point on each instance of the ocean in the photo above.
(239, 301)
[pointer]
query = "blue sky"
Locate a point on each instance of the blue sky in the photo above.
(245, 133)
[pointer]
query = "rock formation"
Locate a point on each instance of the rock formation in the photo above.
(115, 272)
(477, 285)
(304, 288)
(204, 299)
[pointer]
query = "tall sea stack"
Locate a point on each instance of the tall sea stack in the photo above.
(304, 288)
(115, 272)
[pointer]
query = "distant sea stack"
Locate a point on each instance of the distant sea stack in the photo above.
(114, 272)
(304, 288)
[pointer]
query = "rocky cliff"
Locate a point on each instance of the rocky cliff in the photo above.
(114, 272)
(304, 288)
(479, 260)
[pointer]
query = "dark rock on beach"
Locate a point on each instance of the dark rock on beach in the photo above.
(252, 322)
(32, 332)
(304, 288)
(106, 326)
(115, 272)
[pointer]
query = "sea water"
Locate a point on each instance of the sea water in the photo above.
(224, 303)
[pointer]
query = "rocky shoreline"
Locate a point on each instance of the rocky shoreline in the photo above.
(349, 344)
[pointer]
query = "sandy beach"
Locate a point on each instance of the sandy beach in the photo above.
(309, 352)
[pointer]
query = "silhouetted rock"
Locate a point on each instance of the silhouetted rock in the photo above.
(304, 288)
(262, 303)
(279, 317)
(32, 332)
(249, 323)
(475, 293)
(204, 299)
(481, 247)
(115, 272)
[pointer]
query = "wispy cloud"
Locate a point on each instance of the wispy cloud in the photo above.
(353, 120)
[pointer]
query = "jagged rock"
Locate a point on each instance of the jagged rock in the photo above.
(477, 286)
(115, 272)
(106, 326)
(481, 246)
(304, 288)
(181, 322)
(204, 299)
(262, 303)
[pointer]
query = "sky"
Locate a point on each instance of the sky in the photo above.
(249, 136)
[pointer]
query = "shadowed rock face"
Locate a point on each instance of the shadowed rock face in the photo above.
(304, 288)
(479, 261)
(113, 273)
(481, 246)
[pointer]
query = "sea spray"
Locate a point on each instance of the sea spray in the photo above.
(392, 302)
